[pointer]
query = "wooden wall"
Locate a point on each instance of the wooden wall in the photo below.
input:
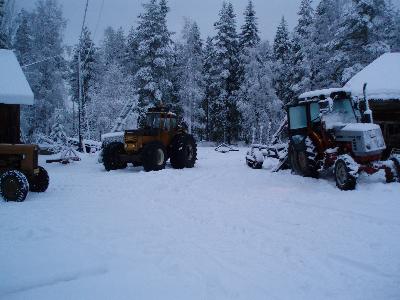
(9, 124)
(386, 111)
(387, 115)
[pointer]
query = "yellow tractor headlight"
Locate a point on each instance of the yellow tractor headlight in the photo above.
(131, 147)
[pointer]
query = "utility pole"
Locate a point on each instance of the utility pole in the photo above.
(80, 147)
(80, 85)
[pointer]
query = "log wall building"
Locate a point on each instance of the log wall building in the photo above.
(9, 123)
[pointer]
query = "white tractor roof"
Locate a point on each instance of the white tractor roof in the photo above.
(14, 88)
(324, 92)
(382, 77)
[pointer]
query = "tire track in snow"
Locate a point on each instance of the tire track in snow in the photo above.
(367, 268)
(57, 279)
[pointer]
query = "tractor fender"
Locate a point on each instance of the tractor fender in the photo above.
(298, 142)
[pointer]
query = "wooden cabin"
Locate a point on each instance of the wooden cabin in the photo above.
(383, 91)
(14, 92)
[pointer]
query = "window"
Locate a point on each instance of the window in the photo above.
(153, 121)
(343, 106)
(166, 123)
(173, 123)
(315, 113)
(298, 117)
(170, 123)
(342, 113)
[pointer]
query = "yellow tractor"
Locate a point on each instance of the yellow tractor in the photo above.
(20, 172)
(19, 169)
(158, 139)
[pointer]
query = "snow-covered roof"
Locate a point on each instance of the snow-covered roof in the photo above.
(14, 88)
(382, 77)
(360, 126)
(324, 92)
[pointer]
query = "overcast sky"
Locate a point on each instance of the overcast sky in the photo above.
(205, 12)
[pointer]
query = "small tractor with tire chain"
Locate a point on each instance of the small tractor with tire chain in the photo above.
(159, 138)
(325, 134)
(20, 172)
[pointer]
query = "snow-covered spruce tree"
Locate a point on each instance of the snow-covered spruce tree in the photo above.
(108, 98)
(113, 46)
(211, 89)
(8, 23)
(111, 91)
(154, 58)
(396, 38)
(303, 49)
(23, 49)
(259, 106)
(224, 114)
(282, 63)
(86, 51)
(131, 52)
(282, 44)
(174, 103)
(191, 82)
(2, 35)
(360, 39)
(23, 39)
(327, 17)
(58, 134)
(2, 9)
(46, 24)
(249, 37)
(392, 26)
(249, 40)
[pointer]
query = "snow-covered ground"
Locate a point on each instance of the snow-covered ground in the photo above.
(218, 231)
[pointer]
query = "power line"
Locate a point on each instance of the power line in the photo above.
(40, 61)
(81, 34)
(84, 19)
(98, 19)
(95, 32)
